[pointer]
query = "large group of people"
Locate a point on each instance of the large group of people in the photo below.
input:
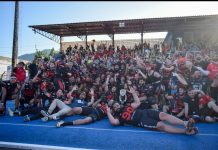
(127, 86)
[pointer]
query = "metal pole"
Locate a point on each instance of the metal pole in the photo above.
(142, 42)
(86, 42)
(61, 43)
(15, 36)
(113, 41)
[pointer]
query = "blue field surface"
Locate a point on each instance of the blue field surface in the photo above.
(102, 135)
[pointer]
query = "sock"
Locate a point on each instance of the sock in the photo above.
(48, 113)
(55, 118)
(67, 124)
(185, 123)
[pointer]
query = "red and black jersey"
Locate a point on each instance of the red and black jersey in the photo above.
(179, 101)
(50, 73)
(204, 100)
(111, 95)
(48, 87)
(10, 87)
(103, 108)
(20, 74)
(44, 86)
(213, 68)
(125, 115)
(29, 90)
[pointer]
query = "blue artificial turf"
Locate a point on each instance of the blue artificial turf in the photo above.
(102, 135)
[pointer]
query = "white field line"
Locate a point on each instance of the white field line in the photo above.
(36, 146)
(99, 129)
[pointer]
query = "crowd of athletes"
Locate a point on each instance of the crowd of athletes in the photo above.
(177, 82)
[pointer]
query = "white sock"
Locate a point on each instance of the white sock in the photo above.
(185, 123)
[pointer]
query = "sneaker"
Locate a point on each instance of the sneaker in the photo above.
(59, 124)
(216, 118)
(197, 118)
(26, 118)
(45, 119)
(44, 113)
(196, 130)
(190, 125)
(10, 112)
(17, 112)
(55, 118)
(193, 131)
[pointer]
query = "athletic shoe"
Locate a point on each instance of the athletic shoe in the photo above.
(55, 118)
(196, 130)
(26, 118)
(197, 118)
(10, 112)
(193, 131)
(44, 113)
(216, 118)
(45, 119)
(17, 112)
(59, 124)
(190, 125)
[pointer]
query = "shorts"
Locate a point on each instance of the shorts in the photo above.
(149, 118)
(206, 111)
(26, 99)
(95, 114)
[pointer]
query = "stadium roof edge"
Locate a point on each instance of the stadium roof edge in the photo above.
(129, 25)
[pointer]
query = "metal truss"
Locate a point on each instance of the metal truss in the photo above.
(82, 37)
(111, 36)
(50, 36)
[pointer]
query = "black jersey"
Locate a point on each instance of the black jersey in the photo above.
(199, 84)
(125, 115)
(29, 90)
(10, 87)
(192, 104)
(152, 79)
(148, 90)
(101, 110)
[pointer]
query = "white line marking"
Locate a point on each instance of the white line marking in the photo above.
(97, 129)
(36, 146)
(76, 127)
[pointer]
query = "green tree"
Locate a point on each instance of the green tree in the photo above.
(38, 54)
(52, 52)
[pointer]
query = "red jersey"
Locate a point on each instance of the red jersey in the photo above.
(20, 74)
(213, 68)
(204, 100)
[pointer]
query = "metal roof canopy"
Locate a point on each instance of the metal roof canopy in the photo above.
(127, 26)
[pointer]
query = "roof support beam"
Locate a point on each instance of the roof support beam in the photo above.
(77, 32)
(142, 45)
(61, 43)
(112, 38)
(50, 36)
(142, 33)
(86, 39)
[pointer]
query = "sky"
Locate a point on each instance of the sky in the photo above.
(40, 13)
